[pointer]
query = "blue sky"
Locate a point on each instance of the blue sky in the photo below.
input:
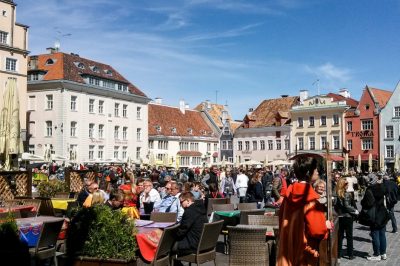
(247, 50)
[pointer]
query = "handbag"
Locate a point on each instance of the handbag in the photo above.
(367, 216)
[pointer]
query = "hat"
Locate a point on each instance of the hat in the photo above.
(372, 179)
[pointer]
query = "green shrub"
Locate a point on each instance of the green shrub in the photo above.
(100, 232)
(49, 189)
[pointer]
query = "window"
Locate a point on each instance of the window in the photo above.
(254, 145)
(349, 145)
(151, 144)
(91, 152)
(270, 145)
(73, 103)
(287, 144)
(278, 144)
(247, 145)
(91, 130)
(215, 146)
(116, 151)
(367, 125)
(262, 145)
(397, 111)
(73, 129)
(335, 119)
(323, 142)
(49, 128)
(336, 142)
(226, 130)
(49, 61)
(124, 110)
(311, 143)
(300, 143)
(208, 147)
(31, 149)
(124, 133)
(91, 105)
(389, 151)
(389, 132)
(124, 152)
(33, 77)
(311, 121)
(139, 134)
(32, 129)
(11, 64)
(138, 112)
(138, 149)
(300, 122)
(93, 81)
(116, 109)
(230, 146)
(194, 146)
(349, 126)
(101, 107)
(108, 84)
(116, 132)
(101, 131)
(163, 145)
(224, 146)
(32, 103)
(100, 152)
(323, 120)
(240, 145)
(49, 102)
(367, 144)
(3, 37)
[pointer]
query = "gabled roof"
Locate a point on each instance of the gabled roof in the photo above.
(349, 101)
(235, 125)
(265, 114)
(166, 118)
(215, 112)
(72, 67)
(380, 96)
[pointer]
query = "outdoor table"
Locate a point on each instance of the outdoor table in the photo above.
(30, 228)
(61, 204)
(17, 208)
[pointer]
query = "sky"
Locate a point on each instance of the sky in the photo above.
(234, 52)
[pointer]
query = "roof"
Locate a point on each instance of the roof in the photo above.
(349, 101)
(65, 67)
(380, 96)
(235, 125)
(164, 119)
(215, 112)
(265, 114)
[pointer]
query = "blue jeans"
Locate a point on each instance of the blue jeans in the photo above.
(393, 219)
(379, 241)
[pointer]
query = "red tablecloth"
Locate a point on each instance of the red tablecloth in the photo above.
(18, 208)
(148, 242)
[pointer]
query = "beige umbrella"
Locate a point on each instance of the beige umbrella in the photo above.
(359, 163)
(10, 140)
(396, 162)
(237, 163)
(266, 160)
(370, 163)
(382, 163)
(346, 163)
(223, 163)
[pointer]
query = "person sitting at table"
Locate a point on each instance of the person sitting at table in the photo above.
(191, 226)
(170, 202)
(84, 192)
(212, 193)
(97, 198)
(149, 194)
(116, 200)
(254, 191)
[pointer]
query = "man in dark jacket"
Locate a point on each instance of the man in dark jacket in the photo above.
(191, 226)
(392, 191)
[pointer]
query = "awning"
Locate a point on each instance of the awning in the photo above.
(332, 157)
(189, 153)
(215, 154)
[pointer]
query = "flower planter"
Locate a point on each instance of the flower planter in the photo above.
(89, 261)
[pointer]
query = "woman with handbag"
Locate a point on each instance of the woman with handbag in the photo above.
(346, 210)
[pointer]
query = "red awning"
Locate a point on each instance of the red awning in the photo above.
(189, 153)
(215, 154)
(332, 157)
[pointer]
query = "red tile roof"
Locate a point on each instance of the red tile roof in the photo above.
(380, 96)
(215, 112)
(65, 67)
(167, 117)
(349, 101)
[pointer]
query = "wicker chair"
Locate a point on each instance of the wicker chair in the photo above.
(263, 220)
(208, 242)
(15, 214)
(167, 240)
(212, 201)
(32, 202)
(12, 203)
(163, 217)
(244, 215)
(247, 206)
(247, 245)
(223, 207)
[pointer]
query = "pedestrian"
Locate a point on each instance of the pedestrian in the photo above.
(279, 186)
(241, 185)
(254, 191)
(392, 192)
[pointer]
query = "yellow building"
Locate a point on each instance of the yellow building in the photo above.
(13, 57)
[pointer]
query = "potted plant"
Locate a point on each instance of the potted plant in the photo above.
(100, 236)
(48, 189)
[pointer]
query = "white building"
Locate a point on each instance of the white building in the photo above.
(79, 104)
(180, 137)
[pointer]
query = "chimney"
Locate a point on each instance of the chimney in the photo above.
(51, 50)
(284, 95)
(224, 116)
(158, 100)
(186, 106)
(208, 105)
(303, 95)
(182, 106)
(33, 63)
(344, 92)
(250, 111)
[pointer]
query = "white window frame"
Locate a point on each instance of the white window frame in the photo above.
(73, 129)
(124, 133)
(367, 144)
(101, 107)
(336, 142)
(3, 37)
(49, 101)
(300, 143)
(116, 109)
(255, 145)
(91, 152)
(74, 100)
(262, 145)
(138, 113)
(116, 132)
(116, 152)
(91, 130)
(278, 144)
(367, 124)
(396, 111)
(49, 128)
(91, 106)
(125, 110)
(349, 144)
(335, 119)
(300, 122)
(323, 120)
(389, 133)
(101, 131)
(270, 144)
(11, 64)
(138, 152)
(349, 126)
(389, 151)
(311, 142)
(240, 145)
(100, 152)
(138, 134)
(311, 121)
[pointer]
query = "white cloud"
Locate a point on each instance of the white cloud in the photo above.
(330, 72)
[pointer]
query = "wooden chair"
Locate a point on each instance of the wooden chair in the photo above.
(263, 220)
(247, 206)
(244, 215)
(46, 207)
(247, 245)
(208, 242)
(163, 217)
(46, 245)
(223, 207)
(212, 201)
(167, 240)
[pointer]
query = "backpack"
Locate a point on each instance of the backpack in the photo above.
(228, 186)
(267, 184)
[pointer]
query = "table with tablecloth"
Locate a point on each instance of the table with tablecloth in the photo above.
(18, 208)
(30, 228)
(148, 237)
(61, 204)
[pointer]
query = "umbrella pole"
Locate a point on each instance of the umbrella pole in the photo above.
(329, 201)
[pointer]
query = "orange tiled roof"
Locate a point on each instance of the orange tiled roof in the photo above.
(166, 118)
(235, 125)
(349, 101)
(65, 67)
(381, 96)
(215, 111)
(265, 114)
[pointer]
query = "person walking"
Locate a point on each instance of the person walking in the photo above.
(254, 191)
(241, 184)
(392, 191)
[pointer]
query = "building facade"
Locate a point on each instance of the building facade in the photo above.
(362, 127)
(265, 132)
(180, 137)
(76, 104)
(13, 57)
(389, 130)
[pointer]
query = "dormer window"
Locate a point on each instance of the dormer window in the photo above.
(173, 130)
(95, 69)
(49, 62)
(158, 129)
(190, 131)
(108, 72)
(79, 65)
